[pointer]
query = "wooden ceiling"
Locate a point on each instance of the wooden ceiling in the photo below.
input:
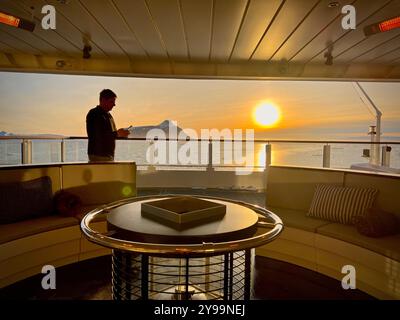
(277, 39)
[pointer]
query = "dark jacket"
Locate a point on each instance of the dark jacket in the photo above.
(101, 131)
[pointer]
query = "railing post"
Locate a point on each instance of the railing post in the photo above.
(26, 151)
(268, 155)
(210, 156)
(386, 156)
(326, 158)
(62, 150)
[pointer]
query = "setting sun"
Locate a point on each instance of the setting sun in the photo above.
(266, 114)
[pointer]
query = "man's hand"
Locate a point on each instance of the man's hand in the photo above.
(123, 133)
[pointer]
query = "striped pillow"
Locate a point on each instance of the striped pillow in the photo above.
(341, 204)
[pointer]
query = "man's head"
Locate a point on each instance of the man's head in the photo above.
(107, 99)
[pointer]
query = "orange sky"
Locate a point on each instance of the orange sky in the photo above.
(57, 104)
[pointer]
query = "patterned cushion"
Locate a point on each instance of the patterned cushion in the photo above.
(341, 204)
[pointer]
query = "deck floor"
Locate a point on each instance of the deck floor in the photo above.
(274, 280)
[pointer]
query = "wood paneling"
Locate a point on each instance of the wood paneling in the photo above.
(137, 16)
(286, 22)
(167, 18)
(354, 43)
(197, 18)
(256, 21)
(228, 15)
(335, 31)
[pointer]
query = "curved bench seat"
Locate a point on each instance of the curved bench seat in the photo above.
(324, 246)
(26, 246)
(26, 228)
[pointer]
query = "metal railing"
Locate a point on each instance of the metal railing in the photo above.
(27, 148)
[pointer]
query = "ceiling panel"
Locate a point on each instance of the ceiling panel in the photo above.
(258, 17)
(7, 48)
(227, 38)
(318, 19)
(379, 50)
(289, 17)
(137, 16)
(168, 20)
(51, 38)
(110, 18)
(197, 17)
(77, 15)
(368, 44)
(334, 31)
(39, 39)
(14, 42)
(355, 38)
(4, 61)
(388, 57)
(64, 28)
(228, 15)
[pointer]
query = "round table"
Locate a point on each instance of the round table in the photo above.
(154, 258)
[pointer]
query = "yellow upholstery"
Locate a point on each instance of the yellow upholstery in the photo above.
(324, 246)
(26, 256)
(26, 246)
(100, 183)
(388, 198)
(293, 188)
(297, 219)
(376, 274)
(293, 245)
(26, 173)
(13, 231)
(386, 246)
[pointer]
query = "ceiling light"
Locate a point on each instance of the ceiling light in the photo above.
(382, 26)
(16, 22)
(333, 4)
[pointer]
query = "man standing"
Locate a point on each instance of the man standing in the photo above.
(101, 129)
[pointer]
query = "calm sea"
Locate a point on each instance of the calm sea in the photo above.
(301, 154)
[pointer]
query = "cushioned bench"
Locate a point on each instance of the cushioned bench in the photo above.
(26, 246)
(324, 246)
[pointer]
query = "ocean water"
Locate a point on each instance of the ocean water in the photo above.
(300, 154)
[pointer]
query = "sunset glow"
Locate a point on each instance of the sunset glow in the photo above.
(266, 115)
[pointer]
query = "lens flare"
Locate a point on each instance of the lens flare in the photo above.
(127, 191)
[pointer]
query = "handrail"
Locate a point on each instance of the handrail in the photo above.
(208, 140)
(26, 148)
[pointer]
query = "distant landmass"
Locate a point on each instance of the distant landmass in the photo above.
(23, 136)
(135, 132)
(141, 131)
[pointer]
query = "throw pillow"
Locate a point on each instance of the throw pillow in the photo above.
(341, 204)
(377, 223)
(25, 200)
(67, 204)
